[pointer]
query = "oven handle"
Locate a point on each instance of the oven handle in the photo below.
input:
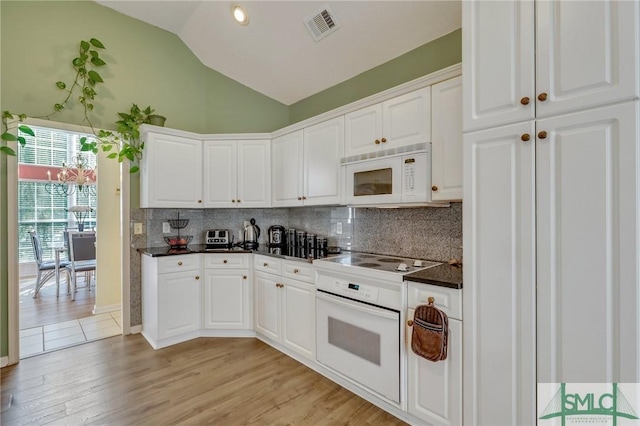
(367, 309)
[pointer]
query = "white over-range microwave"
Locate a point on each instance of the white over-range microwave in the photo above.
(398, 179)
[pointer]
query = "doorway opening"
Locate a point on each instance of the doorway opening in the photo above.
(57, 202)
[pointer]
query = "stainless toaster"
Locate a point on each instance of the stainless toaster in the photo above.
(218, 238)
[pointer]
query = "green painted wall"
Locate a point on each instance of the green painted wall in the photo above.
(4, 288)
(430, 57)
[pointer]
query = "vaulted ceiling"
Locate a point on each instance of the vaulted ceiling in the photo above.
(276, 54)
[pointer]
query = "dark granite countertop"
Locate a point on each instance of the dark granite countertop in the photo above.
(443, 275)
(201, 248)
(191, 249)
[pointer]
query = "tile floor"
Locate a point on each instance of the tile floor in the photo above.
(36, 340)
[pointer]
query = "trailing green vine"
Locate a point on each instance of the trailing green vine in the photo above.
(126, 139)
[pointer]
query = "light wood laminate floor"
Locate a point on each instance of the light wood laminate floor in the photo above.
(224, 381)
(46, 308)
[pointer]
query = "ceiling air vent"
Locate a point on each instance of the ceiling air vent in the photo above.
(322, 24)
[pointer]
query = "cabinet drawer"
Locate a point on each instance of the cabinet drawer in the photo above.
(182, 263)
(226, 260)
(299, 271)
(268, 264)
(448, 300)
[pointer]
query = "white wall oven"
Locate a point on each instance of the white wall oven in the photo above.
(358, 303)
(394, 179)
(360, 341)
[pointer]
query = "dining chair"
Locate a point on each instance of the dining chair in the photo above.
(46, 268)
(82, 256)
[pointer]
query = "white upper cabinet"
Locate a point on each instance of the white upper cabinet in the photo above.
(446, 144)
(220, 173)
(287, 169)
(526, 59)
(306, 165)
(237, 173)
(498, 66)
(323, 148)
(171, 172)
(400, 121)
(587, 54)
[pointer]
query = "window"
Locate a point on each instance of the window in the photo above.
(37, 209)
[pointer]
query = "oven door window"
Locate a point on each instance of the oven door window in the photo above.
(373, 182)
(361, 342)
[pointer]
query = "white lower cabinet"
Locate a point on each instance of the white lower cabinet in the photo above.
(267, 318)
(284, 307)
(588, 287)
(434, 389)
(170, 300)
(227, 292)
(298, 316)
(551, 259)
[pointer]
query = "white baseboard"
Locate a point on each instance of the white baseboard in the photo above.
(135, 329)
(105, 309)
(4, 361)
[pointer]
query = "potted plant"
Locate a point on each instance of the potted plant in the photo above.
(156, 120)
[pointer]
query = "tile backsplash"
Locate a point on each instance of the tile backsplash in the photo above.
(433, 233)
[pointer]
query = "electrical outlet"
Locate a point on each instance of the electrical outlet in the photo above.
(137, 228)
(339, 228)
(166, 228)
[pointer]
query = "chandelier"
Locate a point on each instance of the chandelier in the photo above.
(77, 177)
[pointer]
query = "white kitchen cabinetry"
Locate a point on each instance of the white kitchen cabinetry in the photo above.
(287, 170)
(285, 307)
(400, 121)
(446, 144)
(171, 299)
(306, 165)
(171, 172)
(587, 264)
(526, 59)
(227, 292)
(435, 388)
(499, 276)
(237, 173)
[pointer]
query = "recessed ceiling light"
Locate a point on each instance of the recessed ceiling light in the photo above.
(240, 14)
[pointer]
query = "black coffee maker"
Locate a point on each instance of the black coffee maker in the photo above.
(277, 236)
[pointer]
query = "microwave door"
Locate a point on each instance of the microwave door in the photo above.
(374, 182)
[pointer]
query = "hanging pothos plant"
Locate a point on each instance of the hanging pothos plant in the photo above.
(125, 142)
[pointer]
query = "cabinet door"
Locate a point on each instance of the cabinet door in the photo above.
(406, 119)
(171, 172)
(299, 317)
(588, 286)
(254, 173)
(178, 303)
(446, 149)
(499, 293)
(323, 148)
(435, 388)
(226, 299)
(363, 130)
(286, 170)
(220, 169)
(266, 296)
(498, 62)
(587, 54)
